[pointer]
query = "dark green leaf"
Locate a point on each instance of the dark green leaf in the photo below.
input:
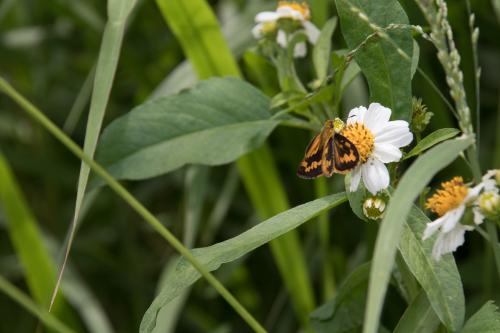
(418, 317)
(322, 49)
(432, 139)
(486, 320)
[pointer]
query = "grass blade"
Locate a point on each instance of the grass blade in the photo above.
(432, 139)
(412, 183)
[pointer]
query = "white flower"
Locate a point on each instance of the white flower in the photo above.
(267, 22)
(450, 203)
(378, 141)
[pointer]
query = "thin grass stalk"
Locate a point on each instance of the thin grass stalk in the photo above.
(131, 200)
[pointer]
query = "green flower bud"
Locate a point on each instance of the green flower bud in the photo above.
(374, 208)
(420, 116)
(489, 204)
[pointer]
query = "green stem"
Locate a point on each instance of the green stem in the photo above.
(45, 316)
(131, 200)
(492, 233)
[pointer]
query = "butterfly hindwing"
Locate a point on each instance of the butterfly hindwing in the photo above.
(346, 156)
(327, 161)
(310, 166)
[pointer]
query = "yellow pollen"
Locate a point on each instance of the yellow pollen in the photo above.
(361, 137)
(303, 8)
(451, 196)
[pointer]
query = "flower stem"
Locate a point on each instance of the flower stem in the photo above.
(131, 200)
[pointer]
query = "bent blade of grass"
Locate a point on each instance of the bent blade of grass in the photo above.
(40, 117)
(214, 256)
(432, 139)
(412, 183)
(209, 54)
(39, 311)
(114, 30)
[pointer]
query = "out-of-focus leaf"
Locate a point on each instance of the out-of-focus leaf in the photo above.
(322, 49)
(214, 256)
(414, 58)
(439, 280)
(214, 123)
(486, 320)
(344, 313)
(387, 72)
(432, 139)
(418, 317)
(389, 234)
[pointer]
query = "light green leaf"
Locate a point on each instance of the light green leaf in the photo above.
(214, 123)
(418, 317)
(432, 139)
(411, 184)
(200, 37)
(344, 313)
(486, 320)
(414, 58)
(322, 49)
(214, 256)
(387, 72)
(439, 280)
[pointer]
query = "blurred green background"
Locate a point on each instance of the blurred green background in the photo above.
(48, 50)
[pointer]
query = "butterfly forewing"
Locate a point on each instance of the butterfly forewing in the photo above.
(310, 166)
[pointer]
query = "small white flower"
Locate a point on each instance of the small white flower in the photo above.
(378, 141)
(267, 22)
(450, 203)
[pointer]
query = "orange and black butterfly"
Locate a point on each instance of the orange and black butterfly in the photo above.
(329, 152)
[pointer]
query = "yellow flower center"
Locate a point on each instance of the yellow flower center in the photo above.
(303, 8)
(361, 137)
(449, 197)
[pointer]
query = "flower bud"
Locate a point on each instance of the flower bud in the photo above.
(489, 204)
(374, 208)
(420, 116)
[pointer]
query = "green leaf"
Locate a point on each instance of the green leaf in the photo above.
(432, 139)
(414, 58)
(387, 72)
(411, 184)
(200, 37)
(214, 256)
(486, 320)
(440, 280)
(344, 312)
(418, 317)
(214, 123)
(322, 49)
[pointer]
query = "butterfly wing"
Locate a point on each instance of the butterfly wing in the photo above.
(346, 156)
(328, 158)
(310, 166)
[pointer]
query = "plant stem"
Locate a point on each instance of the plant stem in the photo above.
(131, 200)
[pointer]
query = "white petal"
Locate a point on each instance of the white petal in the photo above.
(433, 226)
(257, 31)
(288, 12)
(377, 117)
(453, 218)
(478, 216)
(386, 153)
(449, 242)
(267, 17)
(300, 50)
(473, 192)
(375, 175)
(281, 38)
(355, 178)
(356, 115)
(312, 32)
(489, 174)
(394, 132)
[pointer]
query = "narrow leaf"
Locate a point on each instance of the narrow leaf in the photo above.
(322, 49)
(214, 123)
(387, 72)
(486, 320)
(418, 317)
(432, 139)
(412, 183)
(214, 256)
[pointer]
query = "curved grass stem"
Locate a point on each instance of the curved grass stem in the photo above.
(131, 200)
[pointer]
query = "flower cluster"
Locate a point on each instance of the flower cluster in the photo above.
(451, 202)
(289, 17)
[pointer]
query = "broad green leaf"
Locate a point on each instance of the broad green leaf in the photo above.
(48, 318)
(387, 72)
(432, 139)
(418, 317)
(214, 123)
(389, 234)
(214, 256)
(200, 36)
(344, 313)
(26, 237)
(439, 280)
(322, 49)
(486, 320)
